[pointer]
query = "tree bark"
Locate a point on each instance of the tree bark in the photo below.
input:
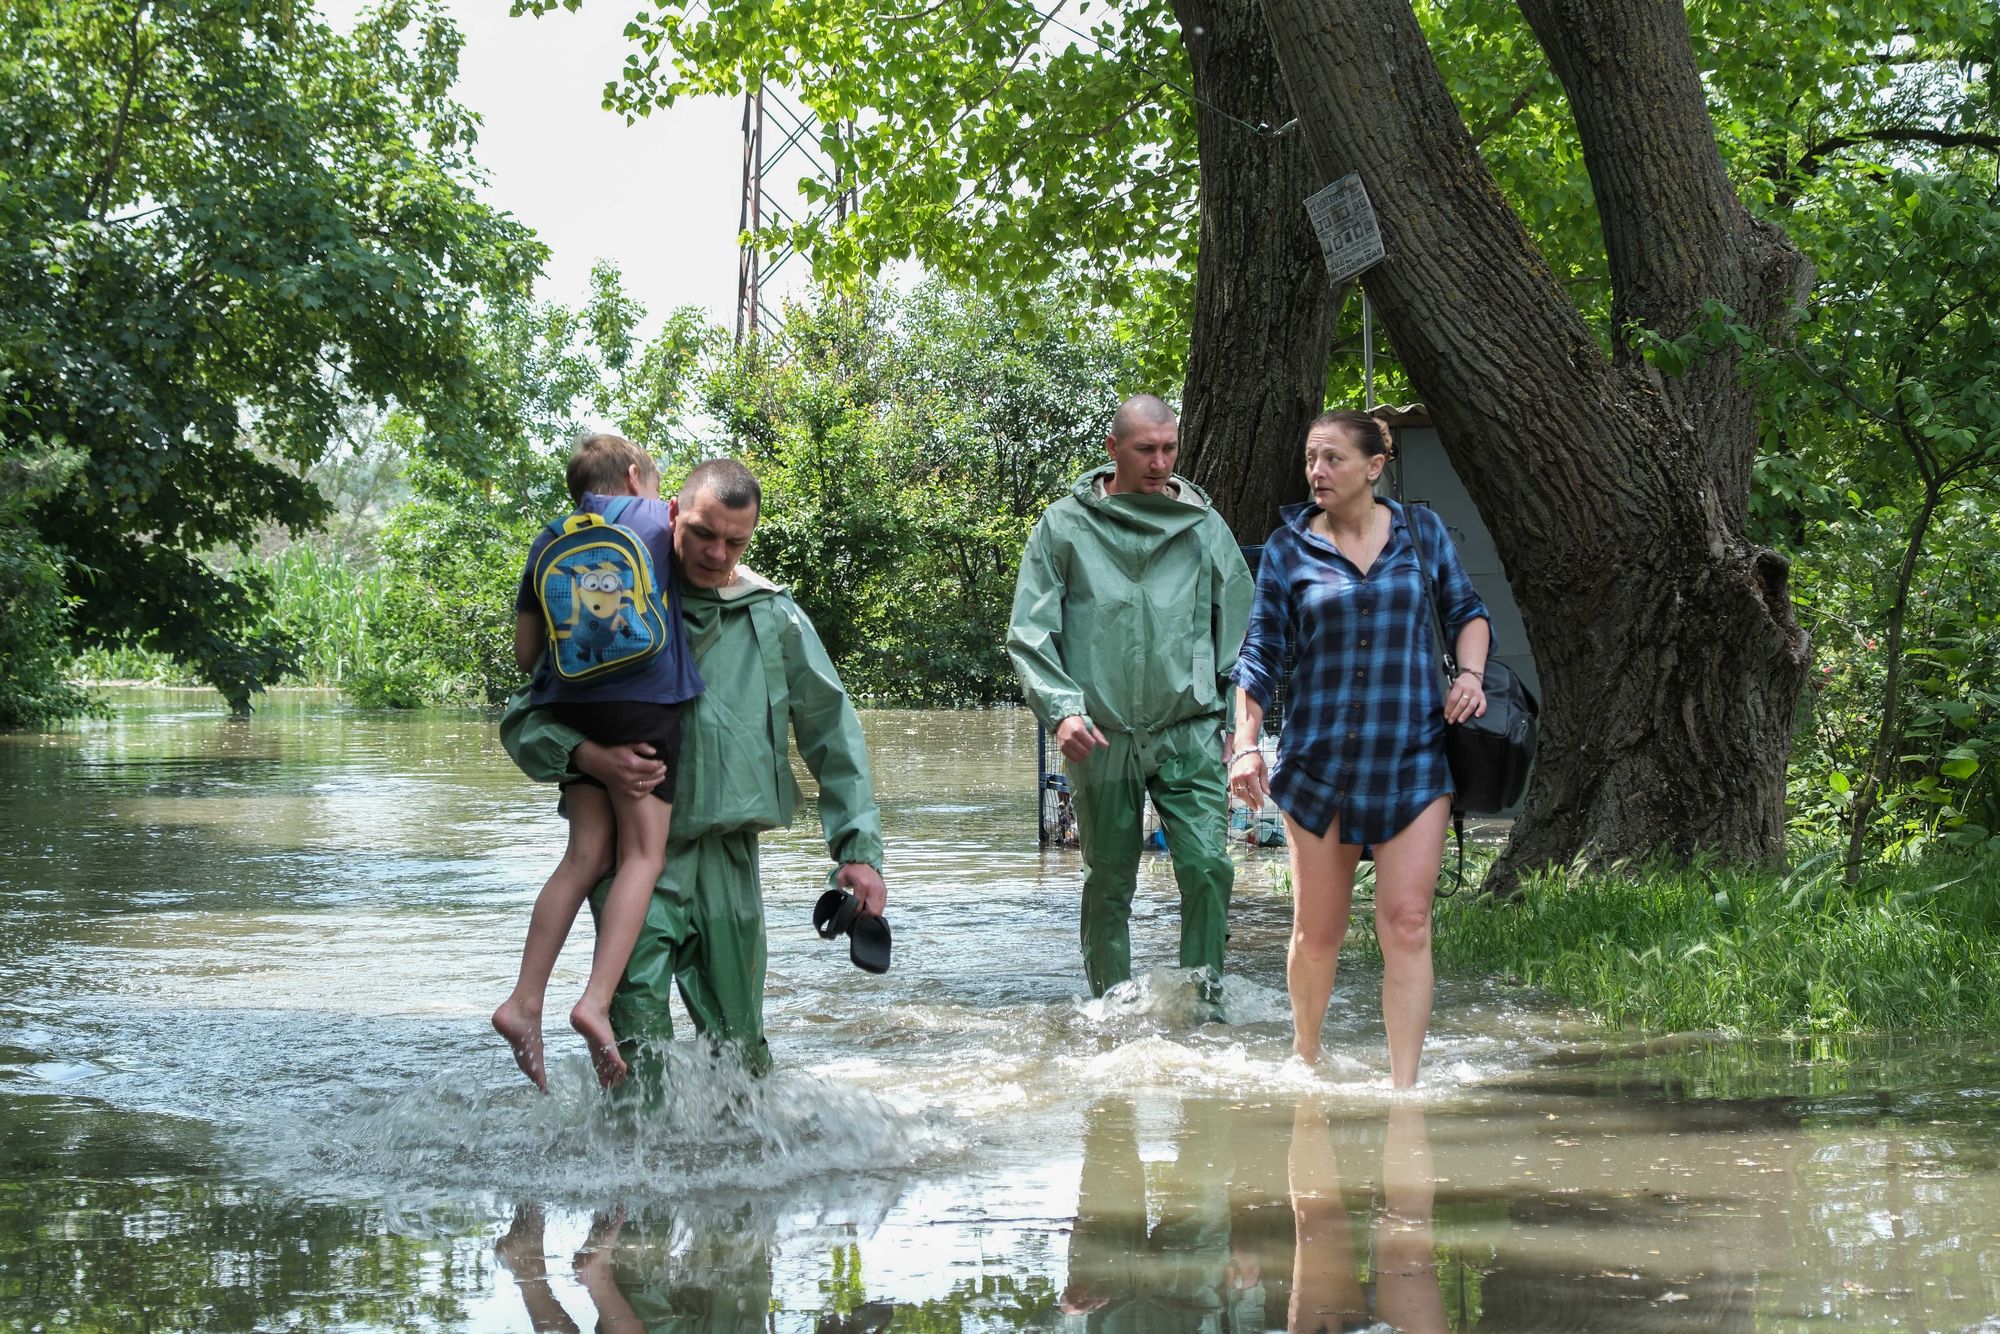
(1668, 654)
(1263, 309)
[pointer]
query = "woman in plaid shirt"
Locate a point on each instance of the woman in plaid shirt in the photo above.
(1361, 764)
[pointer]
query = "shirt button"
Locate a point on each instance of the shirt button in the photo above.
(1364, 643)
(1359, 675)
(1352, 734)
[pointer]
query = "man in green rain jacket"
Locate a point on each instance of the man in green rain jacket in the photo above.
(1128, 612)
(764, 670)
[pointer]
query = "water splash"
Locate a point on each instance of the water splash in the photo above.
(704, 1125)
(1184, 998)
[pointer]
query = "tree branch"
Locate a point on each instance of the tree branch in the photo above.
(1669, 215)
(1900, 134)
(97, 200)
(1504, 117)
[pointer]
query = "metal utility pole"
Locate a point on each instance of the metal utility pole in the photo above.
(797, 130)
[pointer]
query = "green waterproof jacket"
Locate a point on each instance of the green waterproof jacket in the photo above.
(1129, 609)
(765, 672)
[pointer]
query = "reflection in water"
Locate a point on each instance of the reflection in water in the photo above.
(1183, 1244)
(635, 1288)
(1327, 1291)
(1151, 1251)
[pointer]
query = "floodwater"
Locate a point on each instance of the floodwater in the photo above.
(246, 1082)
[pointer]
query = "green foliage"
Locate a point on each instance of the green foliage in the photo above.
(453, 561)
(1002, 143)
(907, 447)
(1695, 948)
(318, 599)
(1942, 785)
(219, 227)
(35, 603)
(326, 606)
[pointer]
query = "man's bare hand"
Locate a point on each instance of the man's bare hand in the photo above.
(633, 770)
(1078, 736)
(864, 882)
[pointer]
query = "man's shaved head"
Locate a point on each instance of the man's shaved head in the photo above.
(1138, 411)
(730, 482)
(1145, 440)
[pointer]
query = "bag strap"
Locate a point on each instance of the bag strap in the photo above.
(1458, 877)
(617, 507)
(1446, 658)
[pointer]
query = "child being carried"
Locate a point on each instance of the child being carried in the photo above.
(610, 658)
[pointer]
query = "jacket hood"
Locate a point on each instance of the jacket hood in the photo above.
(1179, 508)
(749, 587)
(703, 609)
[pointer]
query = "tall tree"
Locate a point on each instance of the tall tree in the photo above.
(220, 225)
(1665, 639)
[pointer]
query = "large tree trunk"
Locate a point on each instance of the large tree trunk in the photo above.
(1669, 657)
(1263, 309)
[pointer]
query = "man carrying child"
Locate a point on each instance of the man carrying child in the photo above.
(768, 677)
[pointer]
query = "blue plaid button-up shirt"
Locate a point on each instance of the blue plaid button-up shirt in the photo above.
(1363, 740)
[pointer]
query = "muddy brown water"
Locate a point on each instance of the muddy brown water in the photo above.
(246, 1083)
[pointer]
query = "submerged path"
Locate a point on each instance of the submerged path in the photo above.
(246, 1082)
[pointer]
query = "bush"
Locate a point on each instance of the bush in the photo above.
(35, 613)
(35, 604)
(444, 632)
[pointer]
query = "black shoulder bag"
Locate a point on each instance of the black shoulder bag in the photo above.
(1490, 755)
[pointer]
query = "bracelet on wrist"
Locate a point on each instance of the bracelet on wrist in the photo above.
(1236, 755)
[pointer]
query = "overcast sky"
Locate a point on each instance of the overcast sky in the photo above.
(661, 197)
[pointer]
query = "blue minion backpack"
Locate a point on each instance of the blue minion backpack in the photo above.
(600, 601)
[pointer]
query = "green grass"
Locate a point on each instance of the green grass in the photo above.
(1697, 948)
(330, 606)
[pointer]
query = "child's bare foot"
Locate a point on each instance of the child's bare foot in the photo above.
(523, 1030)
(594, 1022)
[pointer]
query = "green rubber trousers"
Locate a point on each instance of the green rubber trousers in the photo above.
(1184, 776)
(1170, 1274)
(703, 935)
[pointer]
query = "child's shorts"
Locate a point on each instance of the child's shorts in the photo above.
(624, 723)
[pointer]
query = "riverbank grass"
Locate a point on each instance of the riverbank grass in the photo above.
(1698, 948)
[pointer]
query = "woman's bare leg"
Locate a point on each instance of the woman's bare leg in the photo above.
(1322, 893)
(1406, 872)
